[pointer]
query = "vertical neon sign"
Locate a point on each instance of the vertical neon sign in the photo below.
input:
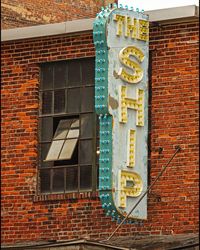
(121, 101)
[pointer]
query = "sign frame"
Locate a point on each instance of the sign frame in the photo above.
(121, 93)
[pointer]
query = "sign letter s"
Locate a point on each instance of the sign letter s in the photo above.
(124, 57)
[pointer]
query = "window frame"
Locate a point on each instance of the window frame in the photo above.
(94, 164)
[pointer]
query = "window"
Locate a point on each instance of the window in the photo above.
(67, 127)
(64, 140)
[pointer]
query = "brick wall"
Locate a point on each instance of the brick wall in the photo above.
(173, 204)
(21, 13)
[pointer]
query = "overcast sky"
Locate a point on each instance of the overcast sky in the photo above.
(157, 4)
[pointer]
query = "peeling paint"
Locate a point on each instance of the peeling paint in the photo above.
(115, 74)
(113, 103)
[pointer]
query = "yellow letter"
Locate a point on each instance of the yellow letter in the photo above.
(130, 184)
(131, 148)
(120, 20)
(124, 56)
(143, 30)
(130, 25)
(137, 104)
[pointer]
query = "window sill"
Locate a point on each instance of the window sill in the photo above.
(70, 196)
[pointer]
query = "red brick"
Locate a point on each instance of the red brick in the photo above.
(174, 120)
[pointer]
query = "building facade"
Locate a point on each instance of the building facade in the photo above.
(50, 137)
(17, 13)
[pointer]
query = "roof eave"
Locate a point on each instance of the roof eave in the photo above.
(164, 16)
